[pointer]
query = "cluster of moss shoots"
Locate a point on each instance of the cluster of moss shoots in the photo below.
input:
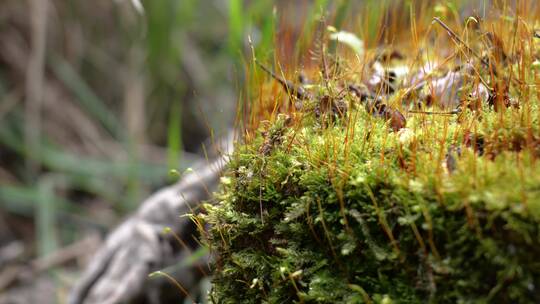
(368, 189)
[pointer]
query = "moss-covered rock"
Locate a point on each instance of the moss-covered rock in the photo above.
(340, 208)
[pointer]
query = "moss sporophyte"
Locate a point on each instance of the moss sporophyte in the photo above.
(367, 194)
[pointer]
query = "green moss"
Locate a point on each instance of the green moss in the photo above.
(379, 220)
(336, 207)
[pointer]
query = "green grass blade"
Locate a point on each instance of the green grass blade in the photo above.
(46, 217)
(174, 137)
(236, 26)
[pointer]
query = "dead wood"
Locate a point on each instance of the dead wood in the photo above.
(119, 271)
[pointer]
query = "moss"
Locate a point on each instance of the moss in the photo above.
(349, 217)
(338, 208)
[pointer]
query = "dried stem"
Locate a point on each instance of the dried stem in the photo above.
(34, 79)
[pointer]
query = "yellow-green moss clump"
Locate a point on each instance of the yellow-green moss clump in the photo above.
(340, 208)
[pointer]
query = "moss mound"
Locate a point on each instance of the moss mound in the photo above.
(331, 205)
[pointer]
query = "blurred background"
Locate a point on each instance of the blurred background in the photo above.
(99, 100)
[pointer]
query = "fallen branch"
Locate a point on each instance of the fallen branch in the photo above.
(119, 271)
